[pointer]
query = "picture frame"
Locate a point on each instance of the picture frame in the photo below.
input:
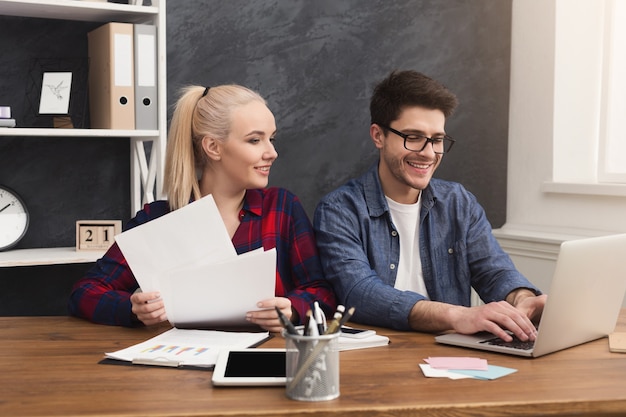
(43, 106)
(55, 94)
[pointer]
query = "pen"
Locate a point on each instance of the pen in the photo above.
(333, 327)
(346, 316)
(312, 327)
(319, 317)
(287, 324)
(307, 323)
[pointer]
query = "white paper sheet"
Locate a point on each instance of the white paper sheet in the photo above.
(210, 295)
(184, 236)
(430, 372)
(189, 258)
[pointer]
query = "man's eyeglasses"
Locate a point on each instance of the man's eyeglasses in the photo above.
(417, 143)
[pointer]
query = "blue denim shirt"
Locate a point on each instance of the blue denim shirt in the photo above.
(360, 249)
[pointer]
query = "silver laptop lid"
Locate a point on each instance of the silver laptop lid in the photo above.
(586, 293)
(584, 300)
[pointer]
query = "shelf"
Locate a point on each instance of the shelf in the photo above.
(47, 256)
(39, 132)
(147, 164)
(89, 11)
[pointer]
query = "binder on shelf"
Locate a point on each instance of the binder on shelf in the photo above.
(111, 76)
(145, 77)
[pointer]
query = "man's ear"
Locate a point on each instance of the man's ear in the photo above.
(212, 148)
(377, 135)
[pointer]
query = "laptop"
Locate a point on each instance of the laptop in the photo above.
(583, 304)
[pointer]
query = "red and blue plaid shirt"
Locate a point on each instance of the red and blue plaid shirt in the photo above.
(270, 218)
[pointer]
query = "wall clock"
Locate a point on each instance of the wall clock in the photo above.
(13, 218)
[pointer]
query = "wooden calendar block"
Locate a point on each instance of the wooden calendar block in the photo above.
(96, 234)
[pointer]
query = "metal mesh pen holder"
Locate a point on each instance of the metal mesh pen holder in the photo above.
(312, 367)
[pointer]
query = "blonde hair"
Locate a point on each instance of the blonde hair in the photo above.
(199, 112)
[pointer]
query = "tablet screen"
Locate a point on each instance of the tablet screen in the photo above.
(250, 367)
(252, 363)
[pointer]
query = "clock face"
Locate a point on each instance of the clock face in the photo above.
(13, 218)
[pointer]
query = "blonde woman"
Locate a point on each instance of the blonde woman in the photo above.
(221, 142)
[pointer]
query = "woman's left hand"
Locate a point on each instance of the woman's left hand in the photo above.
(266, 316)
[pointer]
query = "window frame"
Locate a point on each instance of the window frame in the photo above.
(612, 133)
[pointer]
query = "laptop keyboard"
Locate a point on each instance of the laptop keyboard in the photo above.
(515, 343)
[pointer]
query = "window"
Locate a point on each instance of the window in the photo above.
(612, 144)
(589, 148)
(555, 120)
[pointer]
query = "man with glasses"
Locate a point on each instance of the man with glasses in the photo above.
(405, 249)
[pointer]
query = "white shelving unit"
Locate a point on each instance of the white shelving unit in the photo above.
(146, 173)
(47, 256)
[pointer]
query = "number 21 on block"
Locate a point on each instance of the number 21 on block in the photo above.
(96, 234)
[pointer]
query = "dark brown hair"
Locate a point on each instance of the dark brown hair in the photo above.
(405, 89)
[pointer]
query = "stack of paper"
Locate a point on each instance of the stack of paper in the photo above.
(177, 347)
(189, 258)
(462, 367)
(350, 343)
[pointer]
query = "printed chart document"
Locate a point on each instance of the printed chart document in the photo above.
(189, 258)
(177, 347)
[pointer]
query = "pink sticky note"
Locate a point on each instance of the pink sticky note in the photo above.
(454, 362)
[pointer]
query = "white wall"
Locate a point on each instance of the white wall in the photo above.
(554, 103)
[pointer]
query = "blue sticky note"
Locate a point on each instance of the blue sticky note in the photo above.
(493, 372)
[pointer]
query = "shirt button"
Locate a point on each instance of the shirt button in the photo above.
(392, 266)
(394, 233)
(450, 251)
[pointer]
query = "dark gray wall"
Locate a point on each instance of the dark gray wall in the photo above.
(316, 63)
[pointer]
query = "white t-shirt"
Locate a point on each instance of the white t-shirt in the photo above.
(406, 219)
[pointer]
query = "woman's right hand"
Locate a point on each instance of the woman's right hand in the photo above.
(148, 307)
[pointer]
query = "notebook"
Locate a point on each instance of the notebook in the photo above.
(583, 304)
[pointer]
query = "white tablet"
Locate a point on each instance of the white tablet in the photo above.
(252, 366)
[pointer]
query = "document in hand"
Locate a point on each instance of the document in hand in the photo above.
(189, 258)
(219, 294)
(177, 347)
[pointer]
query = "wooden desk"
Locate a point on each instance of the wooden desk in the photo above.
(49, 367)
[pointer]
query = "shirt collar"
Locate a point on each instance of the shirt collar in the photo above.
(373, 191)
(375, 198)
(253, 202)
